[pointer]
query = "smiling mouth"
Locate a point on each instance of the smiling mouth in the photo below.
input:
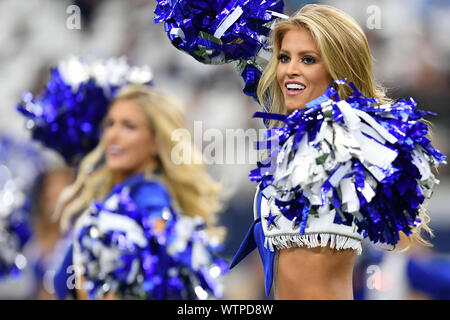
(294, 88)
(115, 150)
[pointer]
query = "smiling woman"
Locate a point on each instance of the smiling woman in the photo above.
(136, 215)
(306, 236)
(317, 45)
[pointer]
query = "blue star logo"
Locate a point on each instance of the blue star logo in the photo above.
(272, 221)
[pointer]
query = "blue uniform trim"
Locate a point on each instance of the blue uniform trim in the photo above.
(255, 239)
(61, 276)
(247, 246)
(151, 197)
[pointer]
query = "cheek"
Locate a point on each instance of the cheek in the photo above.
(141, 145)
(106, 135)
(280, 74)
(320, 77)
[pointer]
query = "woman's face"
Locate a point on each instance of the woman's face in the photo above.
(128, 140)
(301, 72)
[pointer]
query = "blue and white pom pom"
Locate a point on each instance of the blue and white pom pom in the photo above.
(218, 32)
(20, 166)
(368, 161)
(121, 253)
(67, 116)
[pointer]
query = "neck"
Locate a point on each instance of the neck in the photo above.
(121, 176)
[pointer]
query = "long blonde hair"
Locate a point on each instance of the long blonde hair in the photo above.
(192, 189)
(346, 54)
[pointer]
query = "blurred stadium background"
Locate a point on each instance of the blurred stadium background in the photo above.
(411, 48)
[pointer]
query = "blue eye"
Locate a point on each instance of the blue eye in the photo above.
(308, 60)
(283, 58)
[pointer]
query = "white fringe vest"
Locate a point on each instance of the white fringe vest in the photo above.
(319, 230)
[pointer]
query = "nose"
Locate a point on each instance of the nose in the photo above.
(111, 134)
(293, 68)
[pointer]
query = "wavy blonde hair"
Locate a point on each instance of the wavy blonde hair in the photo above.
(346, 54)
(191, 188)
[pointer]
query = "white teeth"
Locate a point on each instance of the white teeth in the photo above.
(295, 86)
(115, 149)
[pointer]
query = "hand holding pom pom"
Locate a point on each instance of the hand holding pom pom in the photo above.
(219, 32)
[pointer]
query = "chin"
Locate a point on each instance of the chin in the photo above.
(294, 106)
(114, 166)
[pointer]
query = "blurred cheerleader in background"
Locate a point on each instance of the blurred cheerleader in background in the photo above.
(21, 165)
(142, 222)
(344, 161)
(48, 245)
(31, 180)
(173, 204)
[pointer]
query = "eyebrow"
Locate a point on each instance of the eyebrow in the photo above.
(301, 52)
